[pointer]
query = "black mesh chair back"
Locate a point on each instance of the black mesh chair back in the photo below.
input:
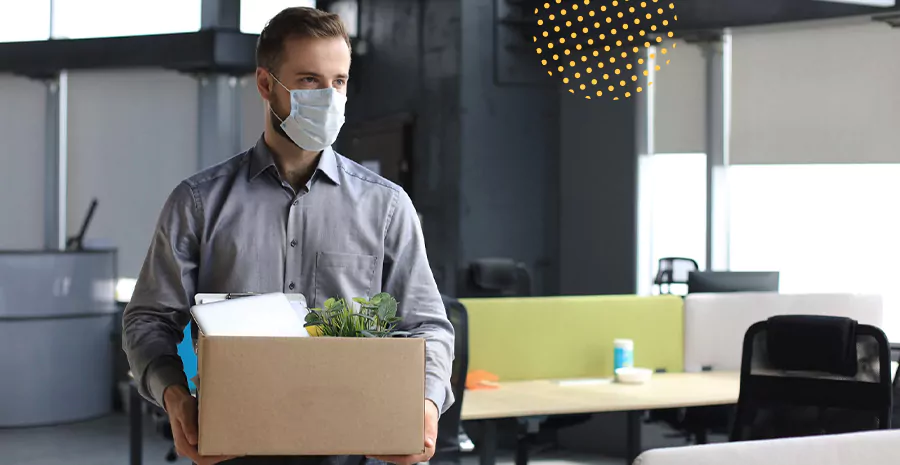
(448, 447)
(495, 277)
(812, 375)
(674, 270)
(895, 414)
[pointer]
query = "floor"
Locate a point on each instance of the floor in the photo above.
(97, 442)
(105, 442)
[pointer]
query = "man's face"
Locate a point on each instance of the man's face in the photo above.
(307, 63)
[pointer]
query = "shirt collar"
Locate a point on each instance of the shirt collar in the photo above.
(261, 159)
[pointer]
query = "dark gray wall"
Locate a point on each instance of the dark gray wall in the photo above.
(411, 66)
(510, 147)
(598, 196)
(518, 171)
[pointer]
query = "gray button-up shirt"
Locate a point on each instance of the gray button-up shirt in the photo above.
(238, 227)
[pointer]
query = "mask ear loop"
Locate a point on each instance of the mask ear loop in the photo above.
(270, 105)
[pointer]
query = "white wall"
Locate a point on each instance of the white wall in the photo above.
(132, 139)
(816, 93)
(22, 108)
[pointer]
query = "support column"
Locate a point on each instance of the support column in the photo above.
(645, 149)
(56, 162)
(219, 110)
(219, 120)
(598, 202)
(220, 14)
(718, 137)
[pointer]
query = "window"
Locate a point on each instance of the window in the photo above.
(677, 191)
(76, 19)
(24, 21)
(348, 10)
(826, 228)
(255, 14)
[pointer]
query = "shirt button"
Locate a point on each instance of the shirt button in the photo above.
(291, 286)
(296, 202)
(294, 243)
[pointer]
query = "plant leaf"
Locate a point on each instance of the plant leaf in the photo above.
(387, 308)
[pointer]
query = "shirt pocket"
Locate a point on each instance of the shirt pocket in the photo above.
(343, 275)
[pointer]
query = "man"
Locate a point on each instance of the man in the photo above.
(288, 215)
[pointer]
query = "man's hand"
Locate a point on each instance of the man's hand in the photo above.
(431, 429)
(182, 409)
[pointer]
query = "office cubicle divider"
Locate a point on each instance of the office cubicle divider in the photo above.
(869, 448)
(715, 324)
(572, 337)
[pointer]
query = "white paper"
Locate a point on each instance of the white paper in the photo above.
(263, 315)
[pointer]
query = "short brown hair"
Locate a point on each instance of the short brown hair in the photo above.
(295, 21)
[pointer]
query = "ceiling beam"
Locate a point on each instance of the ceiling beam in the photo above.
(206, 51)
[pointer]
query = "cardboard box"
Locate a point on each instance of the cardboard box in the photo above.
(311, 395)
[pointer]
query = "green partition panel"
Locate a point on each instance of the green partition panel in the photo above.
(572, 337)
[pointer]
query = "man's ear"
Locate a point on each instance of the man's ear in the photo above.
(264, 84)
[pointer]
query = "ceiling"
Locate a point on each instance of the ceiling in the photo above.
(708, 15)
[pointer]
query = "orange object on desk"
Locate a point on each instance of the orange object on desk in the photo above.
(480, 379)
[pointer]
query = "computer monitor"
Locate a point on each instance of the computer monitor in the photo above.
(732, 281)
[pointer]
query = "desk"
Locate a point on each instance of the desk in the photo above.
(57, 314)
(539, 398)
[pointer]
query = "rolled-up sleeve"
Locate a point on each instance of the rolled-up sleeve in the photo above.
(407, 276)
(154, 321)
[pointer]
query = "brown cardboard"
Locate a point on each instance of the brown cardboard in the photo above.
(311, 396)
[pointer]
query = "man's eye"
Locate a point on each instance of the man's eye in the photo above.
(340, 82)
(310, 80)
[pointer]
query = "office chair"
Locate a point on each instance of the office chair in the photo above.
(673, 270)
(495, 277)
(812, 375)
(693, 424)
(895, 386)
(895, 358)
(504, 277)
(450, 432)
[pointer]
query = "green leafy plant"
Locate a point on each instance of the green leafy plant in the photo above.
(375, 317)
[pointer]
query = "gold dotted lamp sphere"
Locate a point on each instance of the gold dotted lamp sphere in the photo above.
(613, 35)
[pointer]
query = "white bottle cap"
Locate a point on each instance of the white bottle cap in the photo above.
(624, 343)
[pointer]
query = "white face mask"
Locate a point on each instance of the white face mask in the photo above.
(316, 118)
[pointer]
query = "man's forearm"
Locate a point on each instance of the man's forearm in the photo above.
(162, 373)
(149, 342)
(438, 363)
(436, 391)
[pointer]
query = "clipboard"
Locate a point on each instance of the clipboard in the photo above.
(297, 301)
(207, 298)
(270, 314)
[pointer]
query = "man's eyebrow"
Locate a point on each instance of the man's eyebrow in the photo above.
(310, 73)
